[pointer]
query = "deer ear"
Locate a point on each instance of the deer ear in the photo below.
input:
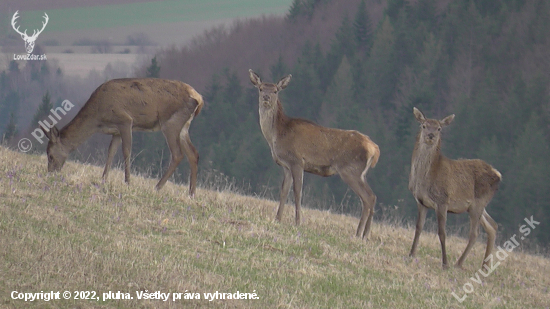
(254, 78)
(447, 120)
(284, 82)
(52, 134)
(418, 115)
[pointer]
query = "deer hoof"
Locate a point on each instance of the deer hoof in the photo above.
(457, 266)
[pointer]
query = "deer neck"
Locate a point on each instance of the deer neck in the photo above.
(78, 130)
(271, 119)
(424, 163)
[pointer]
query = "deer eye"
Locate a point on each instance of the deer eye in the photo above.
(423, 126)
(438, 129)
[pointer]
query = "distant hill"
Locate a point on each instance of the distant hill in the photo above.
(113, 28)
(258, 43)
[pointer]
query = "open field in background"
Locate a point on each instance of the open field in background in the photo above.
(75, 64)
(103, 19)
(56, 4)
(165, 23)
(155, 12)
(71, 231)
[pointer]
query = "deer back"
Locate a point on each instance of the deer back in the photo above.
(146, 99)
(326, 146)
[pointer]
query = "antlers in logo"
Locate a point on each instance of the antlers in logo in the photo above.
(29, 40)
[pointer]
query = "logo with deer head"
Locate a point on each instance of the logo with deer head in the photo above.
(29, 40)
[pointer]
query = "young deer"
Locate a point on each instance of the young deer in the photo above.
(300, 145)
(446, 185)
(121, 106)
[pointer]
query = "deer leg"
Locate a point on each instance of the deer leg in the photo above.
(193, 159)
(422, 211)
(474, 232)
(441, 212)
(371, 212)
(490, 227)
(126, 136)
(298, 178)
(172, 136)
(368, 199)
(285, 189)
(113, 147)
(372, 201)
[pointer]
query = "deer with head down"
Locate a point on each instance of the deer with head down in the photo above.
(121, 106)
(299, 145)
(446, 185)
(29, 40)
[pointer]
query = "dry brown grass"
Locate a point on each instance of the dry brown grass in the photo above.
(69, 231)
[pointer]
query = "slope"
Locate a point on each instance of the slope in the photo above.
(69, 231)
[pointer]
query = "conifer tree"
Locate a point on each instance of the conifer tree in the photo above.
(338, 108)
(278, 70)
(362, 26)
(296, 10)
(43, 109)
(154, 69)
(11, 129)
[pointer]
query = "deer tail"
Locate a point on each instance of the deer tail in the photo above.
(373, 153)
(197, 97)
(499, 175)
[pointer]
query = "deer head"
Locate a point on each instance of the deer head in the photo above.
(269, 93)
(29, 40)
(57, 154)
(430, 129)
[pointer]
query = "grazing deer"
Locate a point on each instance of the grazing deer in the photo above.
(121, 106)
(446, 185)
(300, 145)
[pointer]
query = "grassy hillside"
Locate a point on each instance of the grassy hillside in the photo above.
(71, 232)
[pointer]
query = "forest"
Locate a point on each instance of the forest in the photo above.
(356, 64)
